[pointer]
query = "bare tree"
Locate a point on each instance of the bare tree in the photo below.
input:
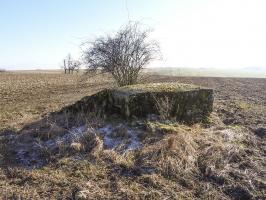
(75, 66)
(71, 65)
(123, 54)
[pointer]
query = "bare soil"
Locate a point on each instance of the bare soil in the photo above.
(223, 158)
(238, 101)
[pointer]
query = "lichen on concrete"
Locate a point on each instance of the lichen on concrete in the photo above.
(189, 103)
(157, 87)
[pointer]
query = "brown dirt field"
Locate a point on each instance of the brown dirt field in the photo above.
(28, 96)
(223, 158)
(238, 100)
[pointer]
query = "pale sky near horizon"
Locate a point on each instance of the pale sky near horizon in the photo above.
(227, 34)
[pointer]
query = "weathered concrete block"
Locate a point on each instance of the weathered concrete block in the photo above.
(187, 103)
(182, 101)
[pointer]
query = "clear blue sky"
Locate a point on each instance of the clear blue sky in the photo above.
(206, 33)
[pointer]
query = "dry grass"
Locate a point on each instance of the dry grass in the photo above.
(203, 161)
(164, 105)
(177, 162)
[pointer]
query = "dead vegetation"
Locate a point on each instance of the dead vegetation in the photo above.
(212, 160)
(176, 162)
(164, 105)
(70, 65)
(123, 54)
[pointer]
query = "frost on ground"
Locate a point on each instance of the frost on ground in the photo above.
(173, 154)
(120, 137)
(227, 134)
(30, 153)
(73, 135)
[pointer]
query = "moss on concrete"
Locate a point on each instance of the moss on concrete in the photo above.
(189, 103)
(158, 87)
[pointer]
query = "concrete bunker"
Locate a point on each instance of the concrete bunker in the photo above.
(189, 103)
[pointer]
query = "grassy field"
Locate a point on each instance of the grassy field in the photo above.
(223, 158)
